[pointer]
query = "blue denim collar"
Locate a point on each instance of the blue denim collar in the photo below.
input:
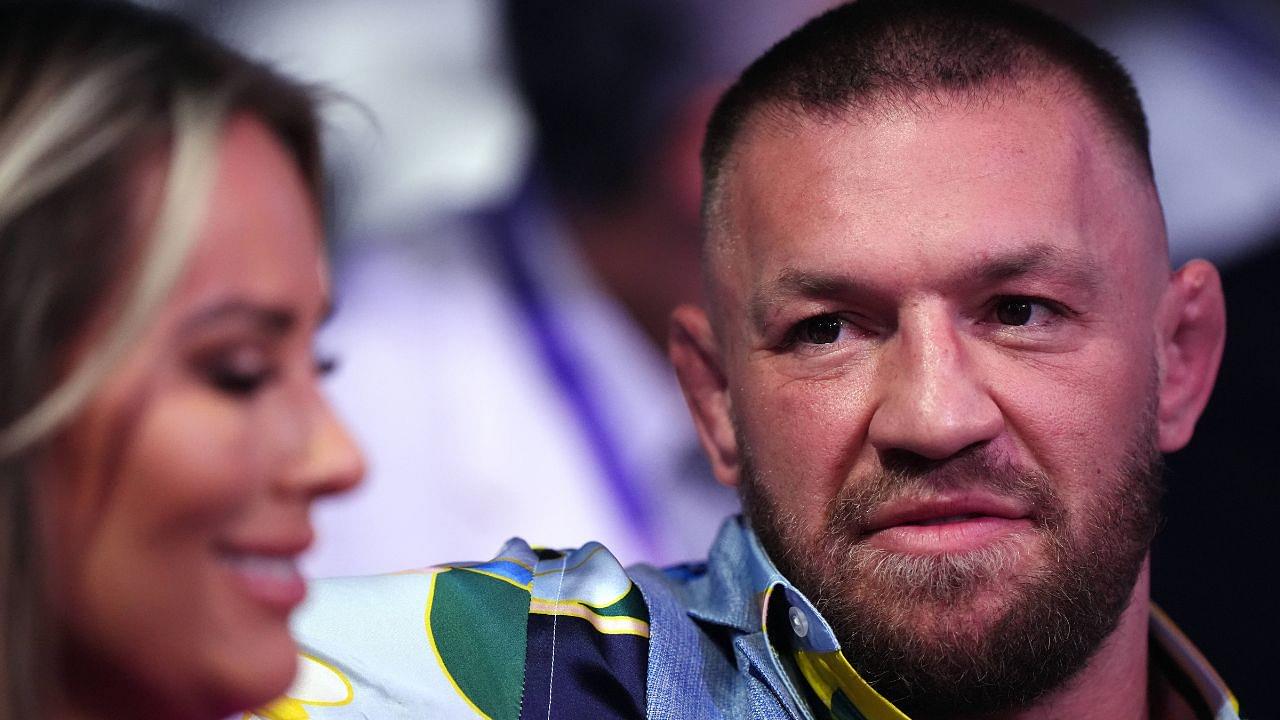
(740, 578)
(739, 584)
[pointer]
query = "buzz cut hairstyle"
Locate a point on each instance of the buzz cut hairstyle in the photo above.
(874, 55)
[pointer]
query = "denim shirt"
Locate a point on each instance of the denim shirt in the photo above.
(572, 634)
(711, 654)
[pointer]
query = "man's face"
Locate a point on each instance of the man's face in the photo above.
(937, 334)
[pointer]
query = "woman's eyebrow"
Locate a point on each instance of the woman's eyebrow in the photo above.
(271, 319)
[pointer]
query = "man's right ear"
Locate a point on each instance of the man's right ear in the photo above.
(699, 366)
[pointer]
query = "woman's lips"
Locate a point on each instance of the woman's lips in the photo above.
(273, 581)
(946, 524)
(267, 572)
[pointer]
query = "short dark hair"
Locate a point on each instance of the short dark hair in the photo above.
(892, 52)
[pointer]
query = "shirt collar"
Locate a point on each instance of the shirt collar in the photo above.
(1187, 661)
(745, 591)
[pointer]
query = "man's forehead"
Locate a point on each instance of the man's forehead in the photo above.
(951, 170)
(939, 139)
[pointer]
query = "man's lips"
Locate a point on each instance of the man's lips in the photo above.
(946, 523)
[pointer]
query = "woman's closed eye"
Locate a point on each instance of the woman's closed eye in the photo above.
(239, 372)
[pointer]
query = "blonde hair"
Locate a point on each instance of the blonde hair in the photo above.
(24, 174)
(87, 91)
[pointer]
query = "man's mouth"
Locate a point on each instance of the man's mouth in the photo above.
(949, 523)
(947, 519)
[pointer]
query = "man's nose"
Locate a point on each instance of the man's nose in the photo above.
(932, 401)
(332, 461)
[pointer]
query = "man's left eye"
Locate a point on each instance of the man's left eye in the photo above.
(1019, 311)
(820, 330)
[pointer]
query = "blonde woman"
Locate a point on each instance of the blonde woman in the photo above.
(162, 435)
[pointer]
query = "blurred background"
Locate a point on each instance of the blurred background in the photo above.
(514, 197)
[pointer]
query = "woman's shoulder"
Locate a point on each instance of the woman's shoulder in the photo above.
(471, 639)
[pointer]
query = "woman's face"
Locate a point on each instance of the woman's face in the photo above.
(178, 503)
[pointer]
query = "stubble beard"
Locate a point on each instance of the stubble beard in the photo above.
(973, 632)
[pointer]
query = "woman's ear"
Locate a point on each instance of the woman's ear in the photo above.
(1192, 331)
(699, 366)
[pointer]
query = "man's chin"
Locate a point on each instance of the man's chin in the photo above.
(940, 598)
(923, 626)
(986, 618)
(966, 617)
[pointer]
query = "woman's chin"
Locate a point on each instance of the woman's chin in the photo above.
(259, 673)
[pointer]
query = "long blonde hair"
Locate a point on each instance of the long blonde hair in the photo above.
(87, 89)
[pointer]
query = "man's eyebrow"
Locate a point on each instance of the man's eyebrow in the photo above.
(792, 282)
(1039, 259)
(1080, 270)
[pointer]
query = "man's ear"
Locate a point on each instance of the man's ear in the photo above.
(699, 366)
(1193, 324)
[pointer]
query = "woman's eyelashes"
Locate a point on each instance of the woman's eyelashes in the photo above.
(239, 372)
(326, 365)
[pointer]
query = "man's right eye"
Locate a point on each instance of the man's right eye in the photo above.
(819, 330)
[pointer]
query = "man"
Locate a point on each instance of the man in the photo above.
(942, 355)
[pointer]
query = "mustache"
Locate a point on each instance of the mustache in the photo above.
(977, 469)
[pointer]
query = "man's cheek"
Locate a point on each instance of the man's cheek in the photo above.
(811, 433)
(1075, 422)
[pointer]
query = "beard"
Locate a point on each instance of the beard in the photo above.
(985, 630)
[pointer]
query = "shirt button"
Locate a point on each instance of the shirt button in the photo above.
(799, 623)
